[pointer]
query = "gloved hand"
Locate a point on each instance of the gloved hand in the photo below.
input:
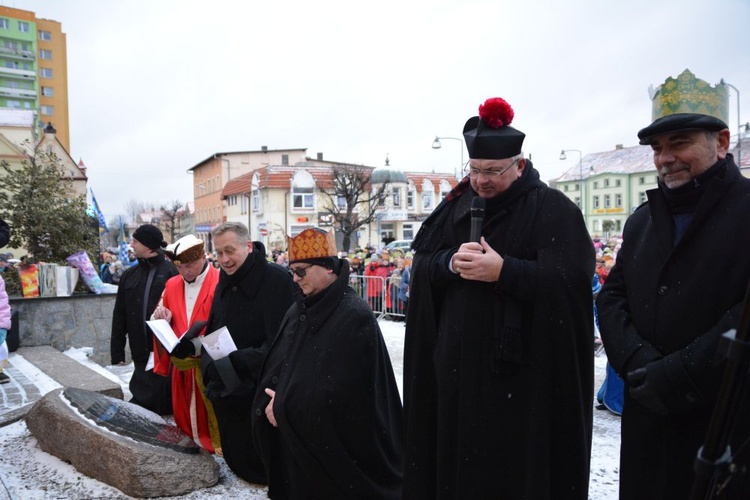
(642, 389)
(194, 330)
(213, 382)
(184, 348)
(3, 335)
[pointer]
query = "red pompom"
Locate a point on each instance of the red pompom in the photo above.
(496, 112)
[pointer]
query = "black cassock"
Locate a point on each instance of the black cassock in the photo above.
(498, 377)
(337, 403)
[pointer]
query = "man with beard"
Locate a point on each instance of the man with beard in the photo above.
(676, 287)
(250, 300)
(185, 305)
(329, 422)
(138, 293)
(498, 360)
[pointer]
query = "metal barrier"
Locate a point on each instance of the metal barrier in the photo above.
(380, 294)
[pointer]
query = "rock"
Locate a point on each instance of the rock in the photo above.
(120, 444)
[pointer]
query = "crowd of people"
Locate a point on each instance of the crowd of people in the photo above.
(498, 353)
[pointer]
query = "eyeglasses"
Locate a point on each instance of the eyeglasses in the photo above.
(489, 174)
(300, 271)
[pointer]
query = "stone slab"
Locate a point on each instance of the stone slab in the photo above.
(68, 372)
(135, 467)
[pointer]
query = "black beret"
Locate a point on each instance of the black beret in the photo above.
(680, 121)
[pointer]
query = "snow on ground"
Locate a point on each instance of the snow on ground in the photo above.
(27, 472)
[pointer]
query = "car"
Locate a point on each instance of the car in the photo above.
(403, 245)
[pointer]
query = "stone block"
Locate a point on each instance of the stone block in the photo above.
(121, 444)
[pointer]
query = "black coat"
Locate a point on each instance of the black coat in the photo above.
(337, 403)
(664, 307)
(129, 323)
(251, 303)
(498, 377)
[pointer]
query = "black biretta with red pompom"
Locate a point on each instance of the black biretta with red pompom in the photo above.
(489, 136)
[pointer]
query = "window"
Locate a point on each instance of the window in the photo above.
(618, 225)
(255, 192)
(45, 54)
(47, 110)
(618, 199)
(23, 27)
(617, 183)
(642, 198)
(641, 180)
(4, 24)
(410, 190)
(285, 159)
(577, 201)
(13, 104)
(303, 187)
(428, 193)
(596, 184)
(10, 44)
(341, 201)
(45, 72)
(243, 204)
(565, 188)
(45, 35)
(408, 231)
(607, 201)
(48, 92)
(445, 188)
(606, 183)
(596, 201)
(396, 198)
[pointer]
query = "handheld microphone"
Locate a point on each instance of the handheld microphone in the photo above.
(477, 218)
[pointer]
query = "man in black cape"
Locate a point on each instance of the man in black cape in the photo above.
(328, 418)
(676, 287)
(498, 362)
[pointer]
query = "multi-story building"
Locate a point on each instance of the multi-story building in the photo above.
(34, 69)
(610, 185)
(281, 193)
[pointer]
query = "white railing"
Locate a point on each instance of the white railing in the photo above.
(381, 294)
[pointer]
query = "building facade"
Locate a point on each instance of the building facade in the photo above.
(34, 69)
(283, 193)
(610, 185)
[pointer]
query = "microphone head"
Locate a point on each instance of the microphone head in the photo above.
(477, 206)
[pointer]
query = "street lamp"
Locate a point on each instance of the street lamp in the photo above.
(436, 145)
(580, 170)
(739, 127)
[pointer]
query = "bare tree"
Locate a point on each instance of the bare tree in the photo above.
(171, 217)
(351, 200)
(133, 209)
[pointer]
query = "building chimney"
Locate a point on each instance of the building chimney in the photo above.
(618, 146)
(264, 149)
(320, 156)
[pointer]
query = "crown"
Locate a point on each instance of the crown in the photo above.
(312, 243)
(688, 94)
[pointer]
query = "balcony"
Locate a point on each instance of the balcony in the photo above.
(17, 53)
(18, 93)
(19, 73)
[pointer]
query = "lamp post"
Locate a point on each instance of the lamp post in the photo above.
(436, 145)
(580, 172)
(739, 127)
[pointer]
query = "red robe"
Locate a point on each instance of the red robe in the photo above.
(193, 413)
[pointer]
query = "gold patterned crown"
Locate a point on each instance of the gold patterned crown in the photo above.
(185, 250)
(688, 94)
(312, 243)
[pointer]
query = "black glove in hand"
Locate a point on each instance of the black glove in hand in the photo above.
(211, 374)
(643, 391)
(184, 348)
(194, 330)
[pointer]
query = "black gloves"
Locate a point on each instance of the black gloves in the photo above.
(184, 349)
(645, 391)
(212, 381)
(194, 330)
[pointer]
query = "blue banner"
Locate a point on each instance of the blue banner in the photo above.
(99, 215)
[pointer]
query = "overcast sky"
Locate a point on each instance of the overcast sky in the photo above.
(157, 86)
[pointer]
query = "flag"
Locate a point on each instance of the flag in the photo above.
(99, 215)
(123, 244)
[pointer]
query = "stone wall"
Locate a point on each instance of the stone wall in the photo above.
(63, 322)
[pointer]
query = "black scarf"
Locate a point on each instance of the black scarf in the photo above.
(685, 199)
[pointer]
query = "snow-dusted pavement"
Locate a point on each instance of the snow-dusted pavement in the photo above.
(29, 473)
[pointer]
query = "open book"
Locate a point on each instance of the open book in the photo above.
(164, 333)
(217, 344)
